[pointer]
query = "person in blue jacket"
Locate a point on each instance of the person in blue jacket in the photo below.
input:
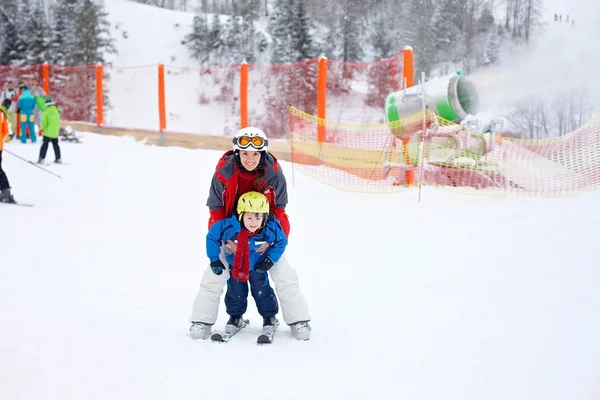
(260, 243)
(26, 107)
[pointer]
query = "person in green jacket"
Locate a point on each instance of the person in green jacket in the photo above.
(50, 128)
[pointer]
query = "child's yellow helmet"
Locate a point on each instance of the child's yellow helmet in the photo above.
(254, 202)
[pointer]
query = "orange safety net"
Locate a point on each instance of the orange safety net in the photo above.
(428, 150)
(74, 91)
(273, 88)
(212, 100)
(202, 100)
(356, 92)
(133, 97)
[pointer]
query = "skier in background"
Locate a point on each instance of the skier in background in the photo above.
(9, 101)
(37, 91)
(25, 107)
(252, 226)
(50, 128)
(5, 196)
(250, 167)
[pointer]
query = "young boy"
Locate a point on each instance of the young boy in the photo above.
(260, 243)
(50, 127)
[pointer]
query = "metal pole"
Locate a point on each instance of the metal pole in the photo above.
(32, 163)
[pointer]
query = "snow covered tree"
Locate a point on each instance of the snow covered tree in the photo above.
(63, 31)
(350, 33)
(232, 41)
(198, 41)
(447, 26)
(419, 34)
(300, 32)
(14, 49)
(216, 42)
(290, 29)
(282, 32)
(493, 46)
(38, 35)
(93, 39)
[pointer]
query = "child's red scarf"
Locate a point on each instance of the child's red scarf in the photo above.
(241, 263)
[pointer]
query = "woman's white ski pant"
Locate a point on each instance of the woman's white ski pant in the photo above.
(285, 278)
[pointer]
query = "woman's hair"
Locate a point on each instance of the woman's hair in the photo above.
(261, 172)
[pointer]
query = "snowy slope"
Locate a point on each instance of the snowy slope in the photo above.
(455, 297)
(148, 35)
(560, 58)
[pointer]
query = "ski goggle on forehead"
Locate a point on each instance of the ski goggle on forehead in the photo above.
(243, 142)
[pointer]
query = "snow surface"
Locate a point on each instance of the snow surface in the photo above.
(455, 297)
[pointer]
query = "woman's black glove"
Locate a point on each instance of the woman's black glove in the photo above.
(264, 266)
(217, 267)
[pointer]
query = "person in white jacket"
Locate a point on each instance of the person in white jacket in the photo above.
(8, 99)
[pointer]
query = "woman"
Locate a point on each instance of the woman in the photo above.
(249, 167)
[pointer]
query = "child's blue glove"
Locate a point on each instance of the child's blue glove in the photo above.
(217, 267)
(264, 266)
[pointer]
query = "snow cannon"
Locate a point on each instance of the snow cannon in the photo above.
(452, 97)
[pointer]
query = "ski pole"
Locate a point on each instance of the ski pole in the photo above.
(32, 163)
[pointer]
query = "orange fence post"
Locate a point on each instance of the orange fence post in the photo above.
(161, 103)
(407, 81)
(321, 98)
(407, 68)
(99, 96)
(243, 94)
(46, 78)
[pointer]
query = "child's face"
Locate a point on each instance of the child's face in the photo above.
(252, 221)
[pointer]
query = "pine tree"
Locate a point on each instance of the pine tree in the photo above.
(63, 31)
(291, 27)
(10, 36)
(248, 45)
(493, 47)
(282, 32)
(233, 38)
(447, 35)
(419, 34)
(93, 39)
(301, 38)
(216, 43)
(350, 29)
(38, 32)
(14, 50)
(199, 40)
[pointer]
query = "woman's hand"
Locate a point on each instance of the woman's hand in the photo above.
(263, 247)
(232, 245)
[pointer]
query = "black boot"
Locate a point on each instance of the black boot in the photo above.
(269, 321)
(6, 197)
(235, 320)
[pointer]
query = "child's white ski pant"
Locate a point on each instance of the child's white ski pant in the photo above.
(285, 278)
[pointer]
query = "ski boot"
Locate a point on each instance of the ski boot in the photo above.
(269, 321)
(200, 330)
(233, 323)
(58, 161)
(6, 197)
(300, 330)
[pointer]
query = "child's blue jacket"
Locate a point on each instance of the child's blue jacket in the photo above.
(228, 229)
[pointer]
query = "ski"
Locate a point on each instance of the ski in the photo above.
(53, 163)
(14, 203)
(268, 334)
(226, 336)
